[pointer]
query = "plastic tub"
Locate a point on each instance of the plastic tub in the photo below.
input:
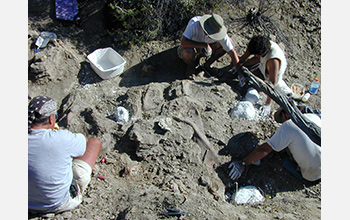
(106, 62)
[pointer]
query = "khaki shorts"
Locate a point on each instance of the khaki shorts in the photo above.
(81, 176)
(200, 51)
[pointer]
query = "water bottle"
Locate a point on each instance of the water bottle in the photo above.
(314, 86)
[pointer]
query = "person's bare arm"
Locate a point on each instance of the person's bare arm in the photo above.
(272, 67)
(93, 149)
(246, 61)
(245, 56)
(260, 152)
(236, 168)
(185, 43)
(234, 56)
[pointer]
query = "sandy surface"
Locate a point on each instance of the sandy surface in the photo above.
(154, 161)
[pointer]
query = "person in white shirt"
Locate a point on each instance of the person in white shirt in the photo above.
(305, 152)
(205, 36)
(266, 60)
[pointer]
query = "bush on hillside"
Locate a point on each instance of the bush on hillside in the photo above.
(136, 21)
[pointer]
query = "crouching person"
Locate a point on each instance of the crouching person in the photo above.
(59, 162)
(305, 152)
(205, 36)
(267, 60)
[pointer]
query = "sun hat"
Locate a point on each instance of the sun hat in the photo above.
(278, 115)
(302, 108)
(213, 26)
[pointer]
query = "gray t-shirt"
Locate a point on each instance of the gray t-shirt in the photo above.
(50, 155)
(305, 152)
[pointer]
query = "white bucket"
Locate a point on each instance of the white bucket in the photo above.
(106, 62)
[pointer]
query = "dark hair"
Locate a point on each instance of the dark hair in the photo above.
(259, 45)
(37, 121)
(44, 120)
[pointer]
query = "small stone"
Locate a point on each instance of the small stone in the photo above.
(204, 180)
(67, 215)
(49, 215)
(242, 217)
(148, 70)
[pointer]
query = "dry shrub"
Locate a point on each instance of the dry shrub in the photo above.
(138, 21)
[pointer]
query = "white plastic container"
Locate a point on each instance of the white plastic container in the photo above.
(305, 97)
(106, 62)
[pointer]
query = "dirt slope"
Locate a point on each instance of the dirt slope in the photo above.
(154, 160)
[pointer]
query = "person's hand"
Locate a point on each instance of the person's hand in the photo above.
(265, 110)
(235, 169)
(239, 69)
(208, 51)
(242, 80)
(241, 62)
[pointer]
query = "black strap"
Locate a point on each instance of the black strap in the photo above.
(73, 189)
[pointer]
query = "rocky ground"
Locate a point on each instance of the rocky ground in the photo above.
(155, 160)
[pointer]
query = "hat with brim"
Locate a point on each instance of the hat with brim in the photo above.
(213, 26)
(278, 115)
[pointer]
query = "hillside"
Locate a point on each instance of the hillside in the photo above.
(155, 161)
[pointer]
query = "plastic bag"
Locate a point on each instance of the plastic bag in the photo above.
(252, 95)
(43, 39)
(243, 109)
(247, 194)
(121, 115)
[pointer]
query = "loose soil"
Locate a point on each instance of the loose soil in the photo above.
(155, 161)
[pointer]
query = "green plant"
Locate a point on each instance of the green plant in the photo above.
(136, 21)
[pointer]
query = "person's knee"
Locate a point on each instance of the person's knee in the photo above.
(189, 55)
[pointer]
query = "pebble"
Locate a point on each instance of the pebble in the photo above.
(204, 180)
(67, 215)
(242, 217)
